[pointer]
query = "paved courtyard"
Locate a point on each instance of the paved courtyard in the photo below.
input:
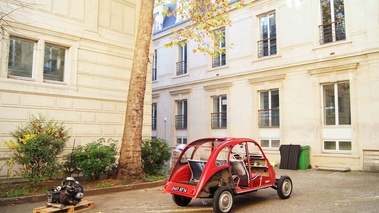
(314, 191)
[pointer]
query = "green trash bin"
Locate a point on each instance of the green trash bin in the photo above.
(303, 162)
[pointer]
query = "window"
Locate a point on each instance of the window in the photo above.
(267, 42)
(219, 116)
(333, 21)
(181, 65)
(269, 109)
(54, 61)
(336, 106)
(220, 58)
(154, 71)
(181, 117)
(342, 146)
(270, 143)
(154, 116)
(181, 140)
(20, 62)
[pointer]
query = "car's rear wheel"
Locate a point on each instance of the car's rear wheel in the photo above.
(284, 187)
(181, 200)
(223, 200)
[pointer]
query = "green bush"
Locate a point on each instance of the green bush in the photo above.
(154, 154)
(36, 148)
(93, 159)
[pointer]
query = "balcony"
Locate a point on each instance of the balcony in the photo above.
(331, 32)
(268, 118)
(181, 67)
(219, 120)
(267, 47)
(181, 121)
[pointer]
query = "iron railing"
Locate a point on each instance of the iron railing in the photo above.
(219, 120)
(268, 118)
(153, 123)
(331, 32)
(181, 67)
(154, 74)
(219, 60)
(267, 47)
(181, 121)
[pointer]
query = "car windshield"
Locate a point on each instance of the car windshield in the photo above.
(199, 151)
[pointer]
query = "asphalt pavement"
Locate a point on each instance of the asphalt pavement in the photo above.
(313, 191)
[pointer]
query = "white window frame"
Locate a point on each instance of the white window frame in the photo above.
(182, 110)
(218, 109)
(337, 150)
(181, 64)
(336, 106)
(218, 58)
(154, 112)
(154, 66)
(270, 141)
(181, 140)
(270, 118)
(269, 37)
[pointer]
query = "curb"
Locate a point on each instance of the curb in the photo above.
(113, 189)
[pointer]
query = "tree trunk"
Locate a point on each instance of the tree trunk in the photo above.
(130, 164)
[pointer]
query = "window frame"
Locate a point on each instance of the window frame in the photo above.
(154, 111)
(219, 60)
(219, 116)
(154, 71)
(181, 114)
(268, 112)
(337, 109)
(270, 142)
(271, 41)
(181, 64)
(64, 64)
(33, 63)
(333, 25)
(181, 140)
(337, 144)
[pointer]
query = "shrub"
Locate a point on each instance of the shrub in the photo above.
(36, 148)
(93, 159)
(154, 154)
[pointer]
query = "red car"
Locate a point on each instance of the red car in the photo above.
(221, 168)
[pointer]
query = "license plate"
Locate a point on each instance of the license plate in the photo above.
(179, 189)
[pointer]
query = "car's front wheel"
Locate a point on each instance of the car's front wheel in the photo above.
(223, 200)
(181, 200)
(284, 187)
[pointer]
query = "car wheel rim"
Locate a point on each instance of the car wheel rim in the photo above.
(286, 188)
(226, 201)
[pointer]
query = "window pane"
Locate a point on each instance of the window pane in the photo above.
(330, 145)
(54, 63)
(345, 145)
(344, 104)
(264, 100)
(329, 105)
(326, 13)
(20, 62)
(264, 27)
(265, 143)
(275, 143)
(272, 25)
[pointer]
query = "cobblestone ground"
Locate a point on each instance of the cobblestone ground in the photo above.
(314, 191)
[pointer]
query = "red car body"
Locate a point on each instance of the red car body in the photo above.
(221, 168)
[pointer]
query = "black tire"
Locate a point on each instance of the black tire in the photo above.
(223, 200)
(284, 187)
(181, 200)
